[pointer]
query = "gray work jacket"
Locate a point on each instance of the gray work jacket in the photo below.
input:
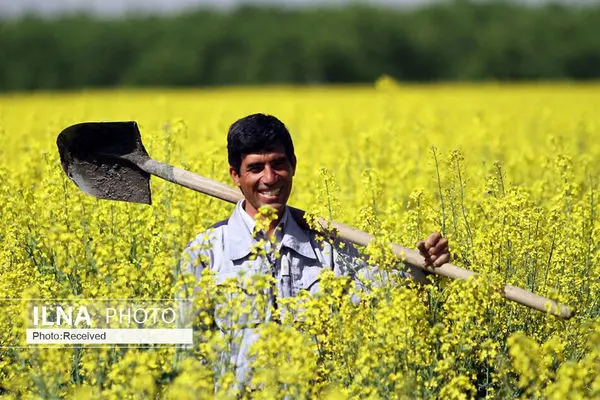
(227, 248)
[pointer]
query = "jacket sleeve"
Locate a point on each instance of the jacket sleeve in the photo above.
(348, 261)
(197, 256)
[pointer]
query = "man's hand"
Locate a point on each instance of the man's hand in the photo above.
(435, 250)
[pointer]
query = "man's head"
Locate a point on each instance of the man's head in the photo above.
(262, 162)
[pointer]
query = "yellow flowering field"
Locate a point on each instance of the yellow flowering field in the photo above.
(509, 174)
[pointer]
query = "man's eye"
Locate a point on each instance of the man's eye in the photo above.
(279, 164)
(254, 169)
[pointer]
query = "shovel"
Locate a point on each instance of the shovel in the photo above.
(108, 160)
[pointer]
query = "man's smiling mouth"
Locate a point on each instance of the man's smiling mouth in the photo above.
(270, 193)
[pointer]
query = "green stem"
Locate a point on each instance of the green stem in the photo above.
(439, 181)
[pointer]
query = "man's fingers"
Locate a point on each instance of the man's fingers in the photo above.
(435, 250)
(428, 261)
(440, 246)
(441, 260)
(432, 240)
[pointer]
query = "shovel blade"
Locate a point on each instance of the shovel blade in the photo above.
(100, 158)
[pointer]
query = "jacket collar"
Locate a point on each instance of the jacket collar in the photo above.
(241, 225)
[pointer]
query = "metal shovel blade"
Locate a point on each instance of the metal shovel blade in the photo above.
(101, 157)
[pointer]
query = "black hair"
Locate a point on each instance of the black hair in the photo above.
(257, 133)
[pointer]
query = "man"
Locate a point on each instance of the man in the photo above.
(262, 164)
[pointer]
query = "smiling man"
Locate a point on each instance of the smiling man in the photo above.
(262, 164)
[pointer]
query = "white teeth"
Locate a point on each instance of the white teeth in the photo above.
(271, 192)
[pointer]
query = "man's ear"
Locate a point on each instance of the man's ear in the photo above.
(235, 176)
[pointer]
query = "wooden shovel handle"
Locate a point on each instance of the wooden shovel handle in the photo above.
(191, 180)
(415, 259)
(225, 192)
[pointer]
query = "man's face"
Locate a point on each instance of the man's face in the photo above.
(265, 179)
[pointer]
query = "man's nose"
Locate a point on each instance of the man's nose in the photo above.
(269, 175)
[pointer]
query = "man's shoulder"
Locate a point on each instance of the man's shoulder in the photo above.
(219, 224)
(320, 237)
(328, 241)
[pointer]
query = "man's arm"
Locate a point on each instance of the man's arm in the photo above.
(348, 261)
(197, 256)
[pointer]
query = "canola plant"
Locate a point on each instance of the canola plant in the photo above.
(509, 174)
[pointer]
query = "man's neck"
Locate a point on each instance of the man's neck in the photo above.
(252, 212)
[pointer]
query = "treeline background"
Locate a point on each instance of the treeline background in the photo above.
(454, 41)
